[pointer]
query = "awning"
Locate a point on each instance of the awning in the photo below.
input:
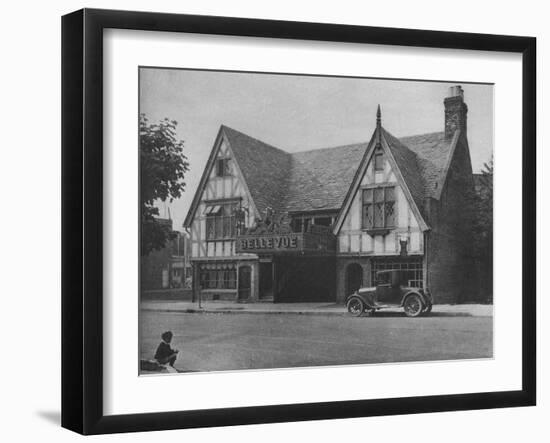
(218, 266)
(212, 210)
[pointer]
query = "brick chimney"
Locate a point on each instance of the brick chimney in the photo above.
(455, 111)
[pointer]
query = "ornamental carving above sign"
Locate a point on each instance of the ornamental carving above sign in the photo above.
(273, 234)
(271, 223)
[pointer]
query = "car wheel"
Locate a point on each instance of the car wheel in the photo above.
(355, 306)
(413, 306)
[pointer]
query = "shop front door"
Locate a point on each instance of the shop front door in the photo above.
(244, 282)
(266, 280)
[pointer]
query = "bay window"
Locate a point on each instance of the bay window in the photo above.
(220, 221)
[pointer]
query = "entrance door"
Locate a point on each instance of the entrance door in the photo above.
(266, 280)
(244, 282)
(305, 279)
(354, 278)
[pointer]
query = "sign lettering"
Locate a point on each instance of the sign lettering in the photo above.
(268, 242)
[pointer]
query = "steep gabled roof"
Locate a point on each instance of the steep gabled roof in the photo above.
(321, 179)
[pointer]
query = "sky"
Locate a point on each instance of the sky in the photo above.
(300, 113)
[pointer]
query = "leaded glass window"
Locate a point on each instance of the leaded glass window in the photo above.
(378, 208)
(389, 207)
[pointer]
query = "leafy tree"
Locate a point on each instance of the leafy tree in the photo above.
(484, 228)
(162, 170)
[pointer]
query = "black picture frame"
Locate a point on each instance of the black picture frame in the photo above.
(82, 215)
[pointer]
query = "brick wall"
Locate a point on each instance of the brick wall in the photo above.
(451, 271)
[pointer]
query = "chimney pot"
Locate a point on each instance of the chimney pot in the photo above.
(456, 111)
(456, 91)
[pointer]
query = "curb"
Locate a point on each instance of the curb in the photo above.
(273, 312)
(240, 311)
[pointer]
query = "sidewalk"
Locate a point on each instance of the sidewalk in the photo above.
(225, 307)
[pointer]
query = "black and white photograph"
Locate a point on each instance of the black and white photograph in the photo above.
(294, 221)
(275, 221)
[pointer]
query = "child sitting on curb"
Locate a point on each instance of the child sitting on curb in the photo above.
(165, 355)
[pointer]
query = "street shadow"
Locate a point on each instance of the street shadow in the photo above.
(431, 314)
(449, 314)
(178, 371)
(53, 417)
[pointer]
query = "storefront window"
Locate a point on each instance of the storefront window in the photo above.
(412, 265)
(218, 276)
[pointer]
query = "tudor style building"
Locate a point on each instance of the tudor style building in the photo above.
(316, 225)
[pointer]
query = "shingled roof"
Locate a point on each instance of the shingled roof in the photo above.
(265, 169)
(296, 182)
(422, 161)
(433, 152)
(320, 179)
(408, 164)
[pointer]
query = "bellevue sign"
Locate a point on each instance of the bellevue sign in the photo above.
(291, 242)
(274, 242)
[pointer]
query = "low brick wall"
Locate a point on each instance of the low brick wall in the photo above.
(167, 294)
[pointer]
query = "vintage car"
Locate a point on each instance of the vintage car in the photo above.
(393, 289)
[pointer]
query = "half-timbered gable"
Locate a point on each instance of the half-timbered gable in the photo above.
(379, 212)
(222, 198)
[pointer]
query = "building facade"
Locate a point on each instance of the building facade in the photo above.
(316, 225)
(169, 267)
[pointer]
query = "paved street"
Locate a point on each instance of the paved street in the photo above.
(225, 341)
